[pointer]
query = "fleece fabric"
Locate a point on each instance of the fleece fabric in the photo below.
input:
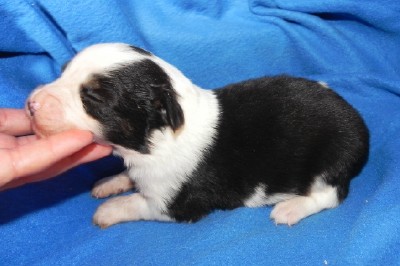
(353, 46)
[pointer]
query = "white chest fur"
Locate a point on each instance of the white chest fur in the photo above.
(174, 155)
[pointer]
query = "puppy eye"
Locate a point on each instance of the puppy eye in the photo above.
(85, 88)
(90, 94)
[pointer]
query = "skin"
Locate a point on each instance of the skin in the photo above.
(26, 158)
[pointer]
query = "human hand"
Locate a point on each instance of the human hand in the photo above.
(25, 158)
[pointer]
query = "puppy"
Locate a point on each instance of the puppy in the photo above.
(188, 151)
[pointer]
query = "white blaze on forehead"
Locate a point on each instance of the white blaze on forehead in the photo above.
(100, 58)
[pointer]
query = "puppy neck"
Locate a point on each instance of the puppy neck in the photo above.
(179, 152)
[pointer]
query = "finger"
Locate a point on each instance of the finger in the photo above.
(26, 139)
(37, 156)
(14, 122)
(89, 153)
(10, 142)
(7, 141)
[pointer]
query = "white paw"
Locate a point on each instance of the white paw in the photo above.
(112, 212)
(111, 186)
(291, 211)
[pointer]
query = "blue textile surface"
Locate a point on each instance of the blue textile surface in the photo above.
(354, 46)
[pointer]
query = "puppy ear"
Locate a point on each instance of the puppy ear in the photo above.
(166, 102)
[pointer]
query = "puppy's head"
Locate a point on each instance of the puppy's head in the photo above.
(117, 91)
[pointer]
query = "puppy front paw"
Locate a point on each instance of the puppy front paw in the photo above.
(111, 186)
(133, 207)
(112, 212)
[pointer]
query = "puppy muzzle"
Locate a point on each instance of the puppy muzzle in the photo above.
(46, 113)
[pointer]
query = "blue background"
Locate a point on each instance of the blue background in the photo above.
(353, 46)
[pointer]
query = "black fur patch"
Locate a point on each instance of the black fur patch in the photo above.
(131, 101)
(281, 132)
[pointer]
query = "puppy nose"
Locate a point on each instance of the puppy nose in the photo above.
(33, 107)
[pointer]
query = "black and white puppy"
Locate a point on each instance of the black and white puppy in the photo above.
(188, 151)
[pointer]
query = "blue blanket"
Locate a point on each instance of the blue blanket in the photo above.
(353, 46)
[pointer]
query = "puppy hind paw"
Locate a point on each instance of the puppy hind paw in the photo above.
(291, 211)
